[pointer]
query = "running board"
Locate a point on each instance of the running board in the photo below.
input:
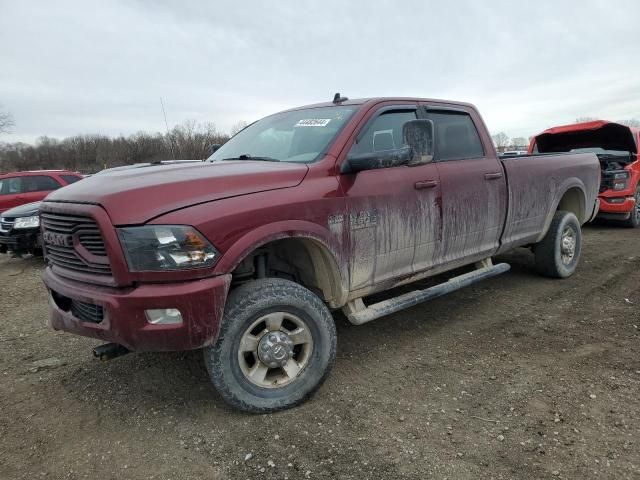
(387, 307)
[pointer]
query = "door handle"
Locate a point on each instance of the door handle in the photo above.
(492, 176)
(426, 184)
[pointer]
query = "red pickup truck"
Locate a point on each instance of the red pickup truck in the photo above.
(616, 146)
(304, 211)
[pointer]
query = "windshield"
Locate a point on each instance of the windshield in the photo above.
(296, 136)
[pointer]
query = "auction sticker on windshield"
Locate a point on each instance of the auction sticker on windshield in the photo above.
(313, 122)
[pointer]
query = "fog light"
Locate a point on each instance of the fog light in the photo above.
(616, 200)
(164, 316)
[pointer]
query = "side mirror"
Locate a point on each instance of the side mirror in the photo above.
(418, 135)
(214, 147)
(375, 160)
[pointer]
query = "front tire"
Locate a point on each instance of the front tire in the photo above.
(558, 253)
(276, 346)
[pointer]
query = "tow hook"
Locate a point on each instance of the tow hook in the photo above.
(109, 351)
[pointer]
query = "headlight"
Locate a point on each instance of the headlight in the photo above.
(165, 247)
(620, 180)
(27, 222)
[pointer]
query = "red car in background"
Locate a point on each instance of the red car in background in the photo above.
(19, 188)
(616, 147)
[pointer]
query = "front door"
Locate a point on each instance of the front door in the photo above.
(393, 214)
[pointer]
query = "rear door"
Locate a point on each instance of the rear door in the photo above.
(393, 214)
(474, 193)
(10, 193)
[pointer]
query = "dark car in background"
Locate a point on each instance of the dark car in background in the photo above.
(20, 230)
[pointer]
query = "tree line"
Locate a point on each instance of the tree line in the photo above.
(94, 152)
(189, 140)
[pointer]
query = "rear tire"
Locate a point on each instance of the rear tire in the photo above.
(276, 346)
(558, 253)
(634, 219)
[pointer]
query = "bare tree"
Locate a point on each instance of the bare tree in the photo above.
(519, 142)
(631, 122)
(501, 140)
(91, 153)
(6, 122)
(238, 126)
(193, 140)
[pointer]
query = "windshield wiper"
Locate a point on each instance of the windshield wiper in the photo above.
(246, 156)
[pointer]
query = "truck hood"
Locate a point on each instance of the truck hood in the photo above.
(599, 133)
(135, 196)
(26, 210)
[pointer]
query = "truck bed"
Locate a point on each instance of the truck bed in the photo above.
(531, 203)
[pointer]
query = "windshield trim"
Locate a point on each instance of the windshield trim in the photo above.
(322, 153)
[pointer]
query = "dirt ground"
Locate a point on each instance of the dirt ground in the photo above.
(516, 377)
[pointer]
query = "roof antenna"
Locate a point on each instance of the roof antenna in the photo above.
(338, 99)
(173, 155)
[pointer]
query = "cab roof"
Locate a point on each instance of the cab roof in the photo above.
(375, 100)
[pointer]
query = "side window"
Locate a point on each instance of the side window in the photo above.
(70, 178)
(456, 136)
(39, 183)
(11, 186)
(384, 133)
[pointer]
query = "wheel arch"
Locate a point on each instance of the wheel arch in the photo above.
(305, 246)
(571, 197)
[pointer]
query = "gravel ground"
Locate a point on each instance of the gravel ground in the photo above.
(516, 377)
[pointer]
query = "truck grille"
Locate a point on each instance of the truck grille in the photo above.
(6, 223)
(88, 235)
(87, 312)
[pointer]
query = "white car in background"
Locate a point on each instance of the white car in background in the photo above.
(513, 153)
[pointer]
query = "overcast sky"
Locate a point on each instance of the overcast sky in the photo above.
(69, 67)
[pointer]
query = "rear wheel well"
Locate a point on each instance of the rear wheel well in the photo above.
(302, 260)
(573, 201)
